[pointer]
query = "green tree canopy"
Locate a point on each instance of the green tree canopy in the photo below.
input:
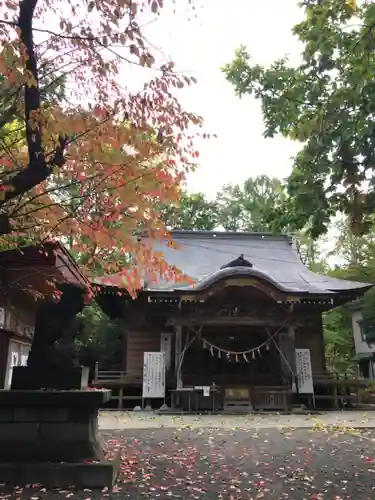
(328, 104)
(357, 263)
(245, 208)
(194, 211)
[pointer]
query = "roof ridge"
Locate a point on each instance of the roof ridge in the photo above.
(231, 234)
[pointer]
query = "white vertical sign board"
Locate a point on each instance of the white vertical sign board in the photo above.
(153, 375)
(304, 371)
(13, 360)
(2, 317)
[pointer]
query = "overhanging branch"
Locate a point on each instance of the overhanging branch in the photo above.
(38, 169)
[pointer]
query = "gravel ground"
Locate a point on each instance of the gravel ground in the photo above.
(114, 420)
(224, 463)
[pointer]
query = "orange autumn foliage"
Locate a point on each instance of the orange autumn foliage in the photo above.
(91, 169)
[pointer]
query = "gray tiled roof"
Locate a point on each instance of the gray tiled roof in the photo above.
(201, 254)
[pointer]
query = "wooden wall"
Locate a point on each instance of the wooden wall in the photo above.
(19, 322)
(20, 313)
(139, 341)
(311, 337)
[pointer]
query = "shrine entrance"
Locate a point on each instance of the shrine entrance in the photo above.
(233, 355)
(244, 364)
(244, 352)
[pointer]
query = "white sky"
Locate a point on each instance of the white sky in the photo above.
(200, 47)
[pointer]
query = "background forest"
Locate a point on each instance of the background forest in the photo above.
(248, 208)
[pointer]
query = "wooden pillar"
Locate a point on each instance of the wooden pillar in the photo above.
(293, 363)
(120, 397)
(335, 391)
(288, 353)
(124, 347)
(177, 356)
(292, 335)
(322, 346)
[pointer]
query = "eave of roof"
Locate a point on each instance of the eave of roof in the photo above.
(45, 255)
(72, 266)
(274, 259)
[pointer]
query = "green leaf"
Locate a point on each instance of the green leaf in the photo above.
(326, 103)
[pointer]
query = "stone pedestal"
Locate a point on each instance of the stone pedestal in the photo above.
(60, 379)
(52, 438)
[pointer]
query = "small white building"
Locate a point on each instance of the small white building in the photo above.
(365, 352)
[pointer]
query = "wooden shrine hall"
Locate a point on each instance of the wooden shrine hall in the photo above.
(229, 339)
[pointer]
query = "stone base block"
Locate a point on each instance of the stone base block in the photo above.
(51, 426)
(50, 442)
(61, 379)
(52, 437)
(61, 475)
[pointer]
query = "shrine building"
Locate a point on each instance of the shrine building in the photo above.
(234, 338)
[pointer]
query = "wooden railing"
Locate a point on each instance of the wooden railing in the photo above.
(116, 377)
(118, 381)
(259, 398)
(337, 390)
(271, 398)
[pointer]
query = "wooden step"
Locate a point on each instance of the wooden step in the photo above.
(238, 408)
(237, 405)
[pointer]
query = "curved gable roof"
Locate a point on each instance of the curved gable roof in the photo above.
(203, 256)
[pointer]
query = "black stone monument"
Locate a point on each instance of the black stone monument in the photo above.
(49, 418)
